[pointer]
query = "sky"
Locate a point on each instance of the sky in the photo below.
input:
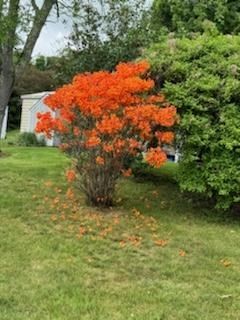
(53, 36)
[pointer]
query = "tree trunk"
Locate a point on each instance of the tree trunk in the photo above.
(7, 68)
(6, 84)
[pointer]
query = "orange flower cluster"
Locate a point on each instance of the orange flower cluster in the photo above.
(110, 124)
(156, 157)
(47, 124)
(100, 160)
(105, 116)
(166, 137)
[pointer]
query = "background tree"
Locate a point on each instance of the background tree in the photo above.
(104, 33)
(18, 19)
(31, 81)
(185, 16)
(201, 76)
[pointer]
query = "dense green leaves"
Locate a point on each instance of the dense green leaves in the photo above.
(201, 76)
(184, 16)
(104, 33)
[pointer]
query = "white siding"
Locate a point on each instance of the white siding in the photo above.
(28, 101)
(31, 105)
(26, 106)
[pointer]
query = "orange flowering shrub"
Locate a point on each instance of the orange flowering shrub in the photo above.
(103, 118)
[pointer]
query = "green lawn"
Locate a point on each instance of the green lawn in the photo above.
(169, 257)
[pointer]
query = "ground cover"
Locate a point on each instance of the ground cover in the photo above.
(157, 255)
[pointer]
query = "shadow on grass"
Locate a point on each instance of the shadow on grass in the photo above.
(184, 203)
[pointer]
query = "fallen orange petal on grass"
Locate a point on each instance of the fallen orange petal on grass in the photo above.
(70, 194)
(54, 217)
(226, 263)
(182, 253)
(116, 220)
(161, 242)
(63, 217)
(122, 243)
(48, 183)
(56, 200)
(82, 230)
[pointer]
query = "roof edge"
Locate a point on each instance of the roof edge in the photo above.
(37, 95)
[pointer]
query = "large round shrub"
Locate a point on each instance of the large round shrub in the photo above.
(201, 76)
(103, 117)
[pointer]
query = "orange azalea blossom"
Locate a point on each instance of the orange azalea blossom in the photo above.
(133, 144)
(119, 145)
(127, 173)
(93, 141)
(166, 137)
(154, 99)
(45, 124)
(110, 124)
(71, 175)
(100, 160)
(107, 148)
(112, 114)
(155, 157)
(76, 131)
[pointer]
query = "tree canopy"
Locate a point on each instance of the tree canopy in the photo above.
(104, 33)
(185, 16)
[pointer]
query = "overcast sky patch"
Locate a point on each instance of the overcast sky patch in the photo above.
(53, 37)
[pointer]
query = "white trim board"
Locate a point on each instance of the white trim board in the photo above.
(4, 126)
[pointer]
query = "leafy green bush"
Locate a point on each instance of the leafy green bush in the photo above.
(201, 76)
(29, 139)
(137, 164)
(185, 16)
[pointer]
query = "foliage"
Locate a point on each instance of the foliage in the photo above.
(104, 117)
(11, 139)
(20, 25)
(202, 78)
(29, 139)
(104, 33)
(34, 80)
(58, 67)
(136, 163)
(184, 16)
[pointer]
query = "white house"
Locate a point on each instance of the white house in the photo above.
(31, 105)
(4, 126)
